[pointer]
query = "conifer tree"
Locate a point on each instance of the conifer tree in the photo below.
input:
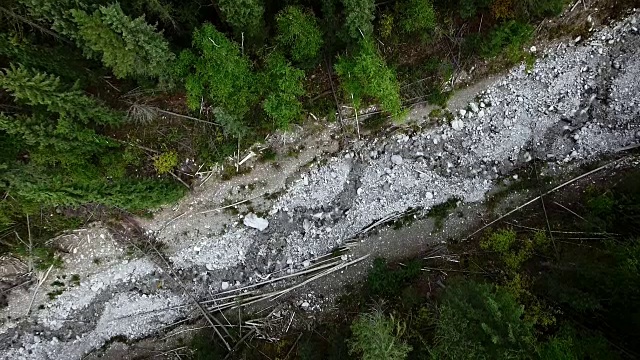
(298, 32)
(130, 47)
(243, 15)
(218, 74)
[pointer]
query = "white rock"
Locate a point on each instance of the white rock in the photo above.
(463, 112)
(225, 285)
(396, 159)
(253, 221)
(305, 305)
(457, 124)
(306, 263)
(474, 107)
(533, 49)
(210, 267)
(428, 195)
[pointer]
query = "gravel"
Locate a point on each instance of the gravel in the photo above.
(577, 103)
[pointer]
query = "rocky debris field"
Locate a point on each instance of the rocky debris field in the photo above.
(577, 103)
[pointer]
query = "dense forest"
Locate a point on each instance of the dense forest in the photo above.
(105, 106)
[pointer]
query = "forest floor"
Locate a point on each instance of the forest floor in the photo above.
(321, 205)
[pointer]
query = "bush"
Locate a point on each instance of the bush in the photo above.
(512, 252)
(480, 321)
(299, 33)
(509, 38)
(418, 16)
(165, 162)
(359, 18)
(366, 75)
(376, 337)
(383, 281)
(469, 8)
(283, 84)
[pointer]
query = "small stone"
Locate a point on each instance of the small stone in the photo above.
(359, 191)
(527, 157)
(457, 124)
(305, 181)
(463, 112)
(305, 305)
(533, 49)
(428, 195)
(481, 113)
(474, 107)
(253, 221)
(396, 159)
(225, 285)
(306, 263)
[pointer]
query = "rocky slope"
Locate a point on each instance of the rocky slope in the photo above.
(578, 103)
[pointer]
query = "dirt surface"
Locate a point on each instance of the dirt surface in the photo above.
(577, 104)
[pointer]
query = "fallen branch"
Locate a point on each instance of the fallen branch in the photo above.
(547, 193)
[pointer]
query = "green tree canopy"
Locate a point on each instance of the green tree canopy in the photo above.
(216, 72)
(283, 85)
(365, 74)
(130, 47)
(298, 32)
(480, 321)
(359, 18)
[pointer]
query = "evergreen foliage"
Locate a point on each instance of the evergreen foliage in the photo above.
(377, 336)
(283, 86)
(130, 47)
(217, 73)
(365, 75)
(359, 15)
(298, 32)
(479, 321)
(418, 16)
(243, 15)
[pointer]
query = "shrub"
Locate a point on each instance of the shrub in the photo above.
(509, 38)
(299, 32)
(376, 337)
(469, 8)
(165, 162)
(129, 47)
(386, 282)
(418, 16)
(504, 243)
(386, 25)
(366, 75)
(480, 321)
(359, 18)
(283, 84)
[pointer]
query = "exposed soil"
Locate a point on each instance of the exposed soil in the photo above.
(577, 105)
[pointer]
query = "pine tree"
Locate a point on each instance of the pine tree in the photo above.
(298, 31)
(283, 84)
(35, 88)
(243, 15)
(218, 74)
(359, 18)
(131, 48)
(366, 75)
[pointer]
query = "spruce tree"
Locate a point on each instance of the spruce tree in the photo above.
(130, 47)
(243, 15)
